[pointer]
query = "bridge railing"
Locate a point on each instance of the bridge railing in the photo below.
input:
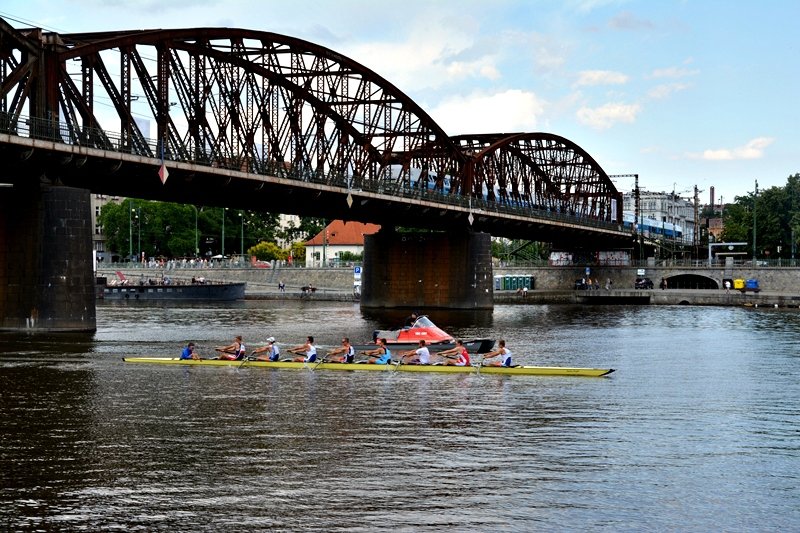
(62, 132)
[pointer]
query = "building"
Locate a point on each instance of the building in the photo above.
(674, 214)
(338, 237)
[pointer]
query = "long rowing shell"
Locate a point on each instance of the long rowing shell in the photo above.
(447, 369)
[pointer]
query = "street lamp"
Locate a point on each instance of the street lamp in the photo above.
(130, 234)
(139, 225)
(223, 231)
(196, 246)
(755, 197)
(241, 217)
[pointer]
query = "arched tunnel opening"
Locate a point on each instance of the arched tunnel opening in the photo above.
(691, 281)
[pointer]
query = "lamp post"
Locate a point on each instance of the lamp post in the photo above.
(223, 232)
(196, 246)
(130, 232)
(139, 226)
(241, 217)
(755, 197)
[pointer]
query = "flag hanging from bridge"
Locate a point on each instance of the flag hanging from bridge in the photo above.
(163, 173)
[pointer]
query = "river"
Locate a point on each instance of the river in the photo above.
(697, 430)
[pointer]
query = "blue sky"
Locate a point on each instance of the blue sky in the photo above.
(682, 93)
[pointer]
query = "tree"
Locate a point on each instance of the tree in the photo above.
(167, 229)
(267, 251)
(777, 219)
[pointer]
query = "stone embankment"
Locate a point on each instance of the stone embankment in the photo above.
(552, 285)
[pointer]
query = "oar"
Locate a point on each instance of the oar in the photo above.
(321, 360)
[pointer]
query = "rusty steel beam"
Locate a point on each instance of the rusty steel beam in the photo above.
(270, 104)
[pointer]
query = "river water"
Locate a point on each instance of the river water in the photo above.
(697, 430)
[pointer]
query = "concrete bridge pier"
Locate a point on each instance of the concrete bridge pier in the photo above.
(427, 270)
(46, 275)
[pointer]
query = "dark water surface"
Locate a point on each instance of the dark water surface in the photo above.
(698, 430)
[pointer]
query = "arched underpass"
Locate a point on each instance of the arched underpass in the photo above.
(691, 281)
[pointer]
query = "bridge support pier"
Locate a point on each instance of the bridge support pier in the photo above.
(427, 270)
(46, 275)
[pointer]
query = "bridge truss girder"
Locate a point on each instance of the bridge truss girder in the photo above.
(272, 105)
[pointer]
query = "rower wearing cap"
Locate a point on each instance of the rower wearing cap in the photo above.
(270, 352)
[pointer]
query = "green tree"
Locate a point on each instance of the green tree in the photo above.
(777, 219)
(267, 251)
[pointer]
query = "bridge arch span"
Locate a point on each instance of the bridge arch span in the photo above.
(541, 171)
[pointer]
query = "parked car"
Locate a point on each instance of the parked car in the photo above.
(643, 283)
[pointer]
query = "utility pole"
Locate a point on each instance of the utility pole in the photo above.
(755, 197)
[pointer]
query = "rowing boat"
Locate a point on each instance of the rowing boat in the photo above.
(448, 369)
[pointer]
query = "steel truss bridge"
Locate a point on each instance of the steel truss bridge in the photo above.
(261, 121)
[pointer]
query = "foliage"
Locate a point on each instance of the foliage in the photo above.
(351, 257)
(777, 219)
(267, 251)
(164, 229)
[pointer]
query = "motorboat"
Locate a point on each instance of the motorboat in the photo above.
(423, 328)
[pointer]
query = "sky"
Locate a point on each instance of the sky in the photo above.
(683, 93)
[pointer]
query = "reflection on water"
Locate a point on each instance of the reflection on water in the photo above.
(696, 431)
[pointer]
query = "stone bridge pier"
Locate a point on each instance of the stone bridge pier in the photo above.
(46, 274)
(427, 270)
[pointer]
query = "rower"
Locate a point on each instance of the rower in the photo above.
(307, 351)
(380, 355)
(422, 356)
(458, 356)
(233, 351)
(343, 354)
(505, 353)
(271, 351)
(188, 352)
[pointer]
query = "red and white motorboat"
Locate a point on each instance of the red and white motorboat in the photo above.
(424, 329)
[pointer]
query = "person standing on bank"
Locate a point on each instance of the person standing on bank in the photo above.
(502, 351)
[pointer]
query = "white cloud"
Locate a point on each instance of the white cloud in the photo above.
(662, 91)
(673, 72)
(605, 116)
(628, 21)
(505, 112)
(601, 77)
(752, 150)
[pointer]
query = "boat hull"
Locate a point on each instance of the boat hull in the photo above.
(288, 365)
(212, 292)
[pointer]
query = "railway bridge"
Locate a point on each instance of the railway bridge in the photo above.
(261, 121)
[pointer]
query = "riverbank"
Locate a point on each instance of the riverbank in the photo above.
(337, 285)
